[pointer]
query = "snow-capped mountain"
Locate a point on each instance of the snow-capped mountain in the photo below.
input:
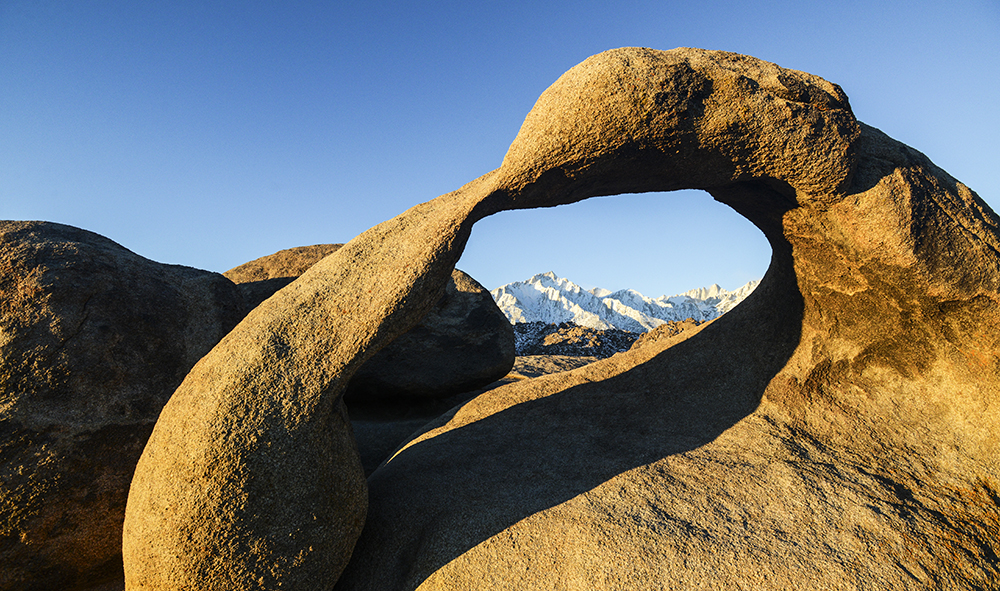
(552, 299)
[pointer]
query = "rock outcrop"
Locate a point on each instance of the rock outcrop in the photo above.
(463, 343)
(260, 278)
(93, 341)
(533, 366)
(837, 429)
(566, 338)
(670, 330)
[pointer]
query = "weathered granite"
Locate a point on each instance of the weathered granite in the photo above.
(93, 340)
(464, 342)
(260, 278)
(837, 429)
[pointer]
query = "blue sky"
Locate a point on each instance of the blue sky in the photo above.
(210, 133)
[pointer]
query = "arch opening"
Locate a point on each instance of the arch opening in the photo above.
(540, 446)
(657, 243)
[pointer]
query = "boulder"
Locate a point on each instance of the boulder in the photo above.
(836, 430)
(252, 478)
(93, 340)
(463, 343)
(260, 278)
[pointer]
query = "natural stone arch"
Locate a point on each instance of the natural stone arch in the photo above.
(857, 223)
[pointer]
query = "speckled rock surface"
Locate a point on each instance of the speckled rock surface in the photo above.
(93, 340)
(464, 343)
(836, 430)
(669, 330)
(260, 278)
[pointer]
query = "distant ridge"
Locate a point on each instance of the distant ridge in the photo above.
(549, 298)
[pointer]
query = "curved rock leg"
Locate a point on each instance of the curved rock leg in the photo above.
(251, 478)
(799, 438)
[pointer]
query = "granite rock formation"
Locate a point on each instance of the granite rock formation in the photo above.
(669, 330)
(464, 342)
(837, 429)
(93, 341)
(533, 366)
(260, 278)
(566, 338)
(380, 429)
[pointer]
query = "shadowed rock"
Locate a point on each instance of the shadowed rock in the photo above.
(260, 278)
(380, 428)
(93, 340)
(463, 343)
(837, 429)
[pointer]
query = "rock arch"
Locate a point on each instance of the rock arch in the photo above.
(847, 438)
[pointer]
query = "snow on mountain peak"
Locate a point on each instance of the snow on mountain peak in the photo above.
(546, 297)
(703, 293)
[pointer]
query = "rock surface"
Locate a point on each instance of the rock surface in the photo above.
(797, 441)
(93, 340)
(533, 366)
(669, 330)
(565, 338)
(836, 430)
(381, 428)
(464, 342)
(260, 278)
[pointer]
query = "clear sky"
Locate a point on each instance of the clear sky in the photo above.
(211, 133)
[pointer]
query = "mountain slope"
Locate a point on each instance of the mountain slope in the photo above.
(552, 299)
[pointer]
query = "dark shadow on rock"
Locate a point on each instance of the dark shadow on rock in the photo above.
(255, 292)
(440, 497)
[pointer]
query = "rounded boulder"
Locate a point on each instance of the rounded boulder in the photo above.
(93, 340)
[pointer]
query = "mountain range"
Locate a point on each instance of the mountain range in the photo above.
(549, 298)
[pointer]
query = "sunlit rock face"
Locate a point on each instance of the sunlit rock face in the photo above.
(837, 429)
(93, 340)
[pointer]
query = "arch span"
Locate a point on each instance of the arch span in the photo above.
(876, 324)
